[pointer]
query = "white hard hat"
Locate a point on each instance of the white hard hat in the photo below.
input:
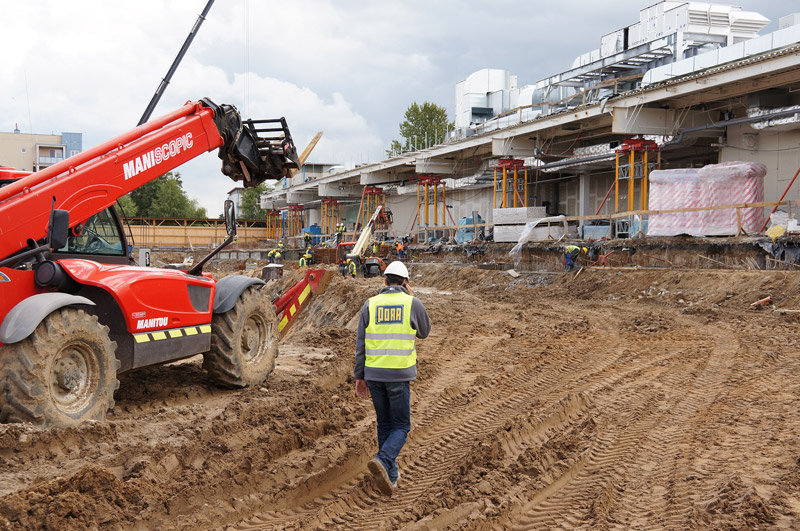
(397, 268)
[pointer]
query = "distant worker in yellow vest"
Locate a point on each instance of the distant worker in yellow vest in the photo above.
(386, 362)
(340, 228)
(376, 247)
(305, 260)
(351, 268)
(274, 256)
(571, 253)
(307, 239)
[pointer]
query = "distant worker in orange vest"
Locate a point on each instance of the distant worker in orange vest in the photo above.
(399, 247)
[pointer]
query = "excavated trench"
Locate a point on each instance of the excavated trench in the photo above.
(618, 397)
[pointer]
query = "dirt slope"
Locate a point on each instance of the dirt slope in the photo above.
(610, 399)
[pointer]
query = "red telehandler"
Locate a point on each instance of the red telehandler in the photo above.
(75, 310)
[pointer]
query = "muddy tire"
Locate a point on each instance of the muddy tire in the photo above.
(244, 342)
(63, 373)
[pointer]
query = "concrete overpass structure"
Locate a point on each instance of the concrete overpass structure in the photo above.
(741, 104)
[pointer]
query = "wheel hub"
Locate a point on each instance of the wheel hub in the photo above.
(251, 338)
(73, 377)
(67, 374)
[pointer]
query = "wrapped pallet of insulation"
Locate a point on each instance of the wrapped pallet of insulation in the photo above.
(674, 189)
(732, 183)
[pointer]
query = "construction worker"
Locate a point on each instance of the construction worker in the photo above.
(571, 253)
(340, 228)
(399, 248)
(385, 364)
(351, 268)
(307, 239)
(274, 256)
(376, 247)
(305, 260)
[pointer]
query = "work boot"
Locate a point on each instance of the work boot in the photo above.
(381, 476)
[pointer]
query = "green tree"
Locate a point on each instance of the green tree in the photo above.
(164, 197)
(128, 206)
(251, 203)
(424, 125)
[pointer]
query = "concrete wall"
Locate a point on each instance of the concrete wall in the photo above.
(778, 150)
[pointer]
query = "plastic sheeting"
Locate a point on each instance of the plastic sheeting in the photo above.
(672, 189)
(528, 234)
(728, 183)
(731, 183)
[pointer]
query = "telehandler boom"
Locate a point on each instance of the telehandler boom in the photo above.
(75, 310)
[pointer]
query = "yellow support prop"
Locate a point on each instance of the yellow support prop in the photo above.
(616, 182)
(515, 188)
(426, 204)
(631, 173)
(436, 204)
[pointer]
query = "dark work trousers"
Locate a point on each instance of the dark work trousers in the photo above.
(392, 401)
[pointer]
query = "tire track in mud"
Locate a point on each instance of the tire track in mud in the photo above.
(447, 440)
(686, 479)
(445, 443)
(587, 490)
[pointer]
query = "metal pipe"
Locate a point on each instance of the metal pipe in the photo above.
(526, 187)
(643, 187)
(505, 193)
(779, 200)
(494, 190)
(164, 82)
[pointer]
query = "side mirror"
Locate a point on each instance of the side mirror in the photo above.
(230, 217)
(59, 229)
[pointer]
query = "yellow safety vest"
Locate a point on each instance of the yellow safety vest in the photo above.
(389, 338)
(302, 261)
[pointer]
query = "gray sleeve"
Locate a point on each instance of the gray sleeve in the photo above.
(361, 355)
(419, 319)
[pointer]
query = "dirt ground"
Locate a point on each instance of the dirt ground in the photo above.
(605, 399)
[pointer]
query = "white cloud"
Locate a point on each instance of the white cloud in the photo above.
(349, 68)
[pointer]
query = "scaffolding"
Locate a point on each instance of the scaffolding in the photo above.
(331, 214)
(295, 220)
(506, 186)
(427, 196)
(274, 224)
(633, 162)
(371, 198)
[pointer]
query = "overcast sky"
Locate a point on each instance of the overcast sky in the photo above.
(347, 68)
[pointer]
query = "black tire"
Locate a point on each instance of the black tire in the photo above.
(63, 373)
(244, 342)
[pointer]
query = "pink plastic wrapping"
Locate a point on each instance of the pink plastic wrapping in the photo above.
(671, 189)
(728, 183)
(732, 183)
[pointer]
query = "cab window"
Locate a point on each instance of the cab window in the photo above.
(99, 235)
